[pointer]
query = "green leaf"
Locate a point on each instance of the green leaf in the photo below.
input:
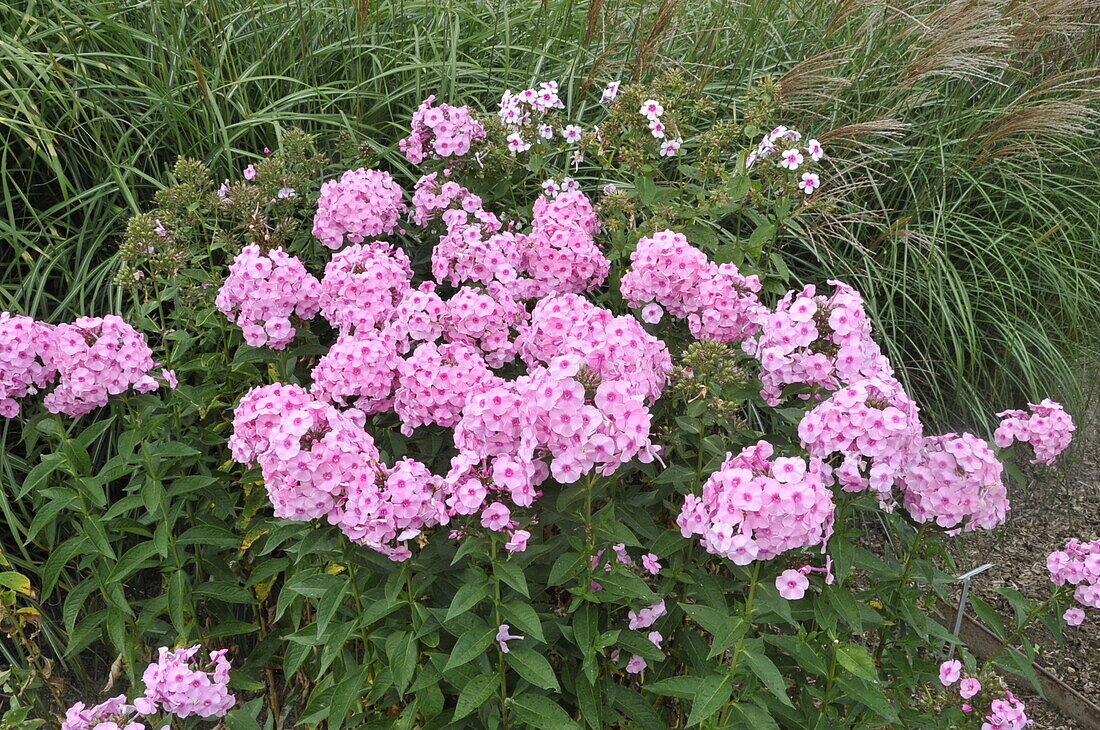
(466, 597)
(683, 687)
(97, 533)
(646, 188)
(59, 558)
(533, 667)
(402, 650)
(728, 633)
(752, 717)
(470, 645)
(567, 566)
(541, 712)
(523, 617)
(223, 591)
(635, 707)
(766, 671)
(712, 694)
(858, 661)
(345, 695)
(870, 696)
(132, 560)
(512, 574)
(474, 695)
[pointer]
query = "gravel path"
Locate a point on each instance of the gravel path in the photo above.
(1058, 504)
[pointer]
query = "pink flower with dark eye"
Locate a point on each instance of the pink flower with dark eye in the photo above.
(495, 517)
(656, 638)
(159, 229)
(652, 313)
(791, 584)
(1074, 616)
(610, 92)
(636, 664)
(571, 133)
(969, 687)
(670, 147)
(650, 563)
(249, 172)
(546, 131)
(651, 109)
(503, 637)
(657, 129)
(516, 143)
(791, 159)
(809, 183)
(950, 671)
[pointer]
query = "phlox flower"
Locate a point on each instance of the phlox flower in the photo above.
(571, 133)
(495, 517)
(363, 285)
(814, 150)
(264, 291)
(546, 131)
(24, 364)
(249, 172)
(809, 182)
(957, 481)
(516, 143)
(791, 159)
(183, 688)
(504, 636)
(1047, 427)
(446, 131)
(517, 543)
(657, 129)
(650, 563)
(610, 92)
(969, 687)
(636, 664)
(1074, 616)
(950, 671)
(651, 109)
(362, 204)
(669, 147)
(791, 584)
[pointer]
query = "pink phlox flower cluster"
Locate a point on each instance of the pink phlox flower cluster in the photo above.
(394, 507)
(432, 197)
(362, 204)
(315, 453)
(561, 253)
(955, 479)
(184, 688)
(816, 340)
(874, 426)
(1006, 714)
(263, 291)
(96, 357)
(547, 413)
(363, 285)
(718, 301)
(257, 415)
(646, 617)
(613, 348)
(484, 321)
(475, 250)
(436, 381)
(420, 316)
(755, 507)
(111, 714)
(1078, 565)
(440, 131)
(359, 369)
(23, 361)
(1048, 428)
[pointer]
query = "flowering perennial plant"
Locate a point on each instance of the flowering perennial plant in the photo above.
(262, 293)
(1078, 564)
(718, 301)
(823, 342)
(362, 204)
(175, 684)
(756, 507)
(491, 477)
(1046, 426)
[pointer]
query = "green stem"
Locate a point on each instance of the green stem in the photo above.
(735, 657)
(1031, 616)
(914, 551)
(499, 619)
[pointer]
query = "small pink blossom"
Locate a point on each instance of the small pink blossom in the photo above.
(650, 563)
(610, 92)
(1074, 616)
(495, 517)
(809, 183)
(636, 664)
(950, 671)
(518, 541)
(791, 584)
(503, 637)
(791, 159)
(249, 172)
(969, 687)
